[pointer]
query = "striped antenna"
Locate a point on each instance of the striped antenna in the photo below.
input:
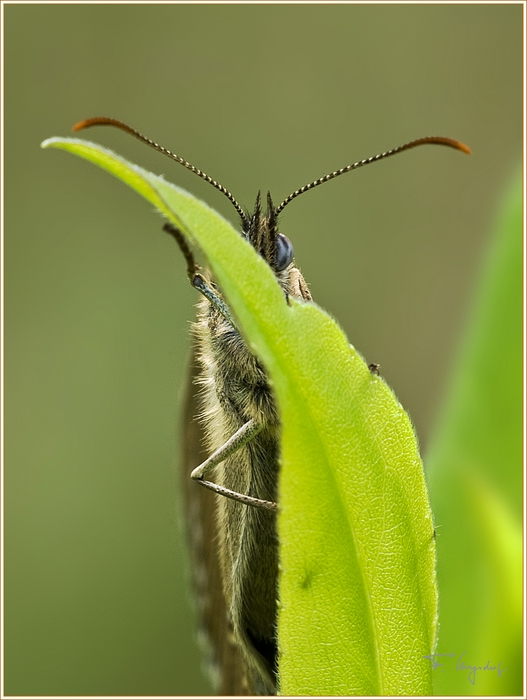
(440, 140)
(107, 121)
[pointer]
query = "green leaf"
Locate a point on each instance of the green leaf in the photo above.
(358, 601)
(475, 473)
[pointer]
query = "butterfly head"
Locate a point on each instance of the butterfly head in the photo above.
(261, 230)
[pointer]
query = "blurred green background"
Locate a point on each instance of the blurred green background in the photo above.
(98, 304)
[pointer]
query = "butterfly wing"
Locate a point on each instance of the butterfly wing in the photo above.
(225, 661)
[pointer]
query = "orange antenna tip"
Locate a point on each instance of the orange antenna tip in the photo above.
(461, 147)
(98, 121)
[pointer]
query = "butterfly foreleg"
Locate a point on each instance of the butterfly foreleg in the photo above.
(197, 280)
(240, 438)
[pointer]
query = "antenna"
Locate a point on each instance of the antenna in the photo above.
(439, 140)
(107, 121)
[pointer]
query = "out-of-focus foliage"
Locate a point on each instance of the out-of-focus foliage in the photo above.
(475, 475)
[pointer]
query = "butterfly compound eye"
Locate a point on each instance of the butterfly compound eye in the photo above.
(284, 252)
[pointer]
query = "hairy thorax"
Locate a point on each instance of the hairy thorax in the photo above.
(235, 389)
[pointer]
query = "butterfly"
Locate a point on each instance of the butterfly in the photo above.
(233, 448)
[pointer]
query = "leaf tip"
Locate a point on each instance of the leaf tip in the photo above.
(48, 142)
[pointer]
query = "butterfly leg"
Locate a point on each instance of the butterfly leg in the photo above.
(196, 280)
(240, 438)
(250, 429)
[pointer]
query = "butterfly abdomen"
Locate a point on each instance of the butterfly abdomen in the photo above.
(235, 389)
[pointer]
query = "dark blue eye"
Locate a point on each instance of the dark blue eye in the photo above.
(284, 252)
